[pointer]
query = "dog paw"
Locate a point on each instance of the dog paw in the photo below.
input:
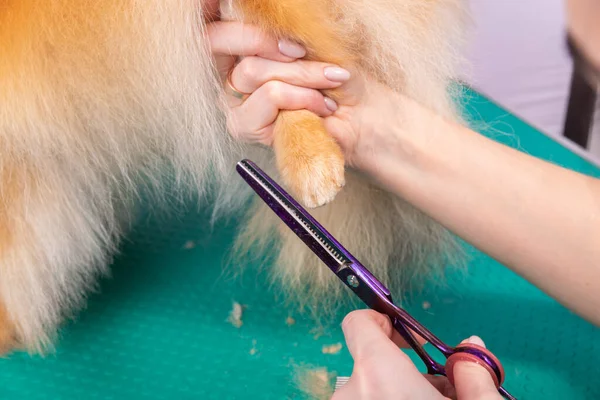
(317, 180)
(310, 161)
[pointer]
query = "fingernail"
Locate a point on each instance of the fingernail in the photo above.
(475, 340)
(330, 104)
(291, 49)
(336, 74)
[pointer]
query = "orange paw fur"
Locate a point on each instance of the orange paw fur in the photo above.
(310, 161)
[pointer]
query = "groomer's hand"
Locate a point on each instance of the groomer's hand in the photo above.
(382, 371)
(272, 76)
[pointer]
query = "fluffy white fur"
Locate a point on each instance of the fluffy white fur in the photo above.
(122, 92)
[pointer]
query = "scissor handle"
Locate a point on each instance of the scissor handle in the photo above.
(471, 352)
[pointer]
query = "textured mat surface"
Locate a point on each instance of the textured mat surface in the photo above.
(158, 329)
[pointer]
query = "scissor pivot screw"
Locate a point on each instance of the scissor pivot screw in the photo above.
(352, 281)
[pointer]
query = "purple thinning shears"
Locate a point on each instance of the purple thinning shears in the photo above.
(358, 278)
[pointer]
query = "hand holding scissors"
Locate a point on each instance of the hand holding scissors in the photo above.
(382, 371)
(366, 286)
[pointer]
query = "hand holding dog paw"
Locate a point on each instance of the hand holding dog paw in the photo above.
(270, 77)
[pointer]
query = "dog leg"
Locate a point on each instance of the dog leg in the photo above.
(54, 235)
(310, 162)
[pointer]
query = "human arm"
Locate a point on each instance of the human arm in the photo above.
(540, 220)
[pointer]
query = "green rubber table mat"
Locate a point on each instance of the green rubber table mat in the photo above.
(157, 328)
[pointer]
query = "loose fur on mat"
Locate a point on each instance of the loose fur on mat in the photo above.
(101, 99)
(314, 383)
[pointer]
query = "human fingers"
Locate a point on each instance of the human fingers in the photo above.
(472, 381)
(442, 385)
(381, 369)
(238, 39)
(253, 72)
(367, 333)
(368, 325)
(252, 121)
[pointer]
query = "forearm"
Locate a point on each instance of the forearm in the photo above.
(541, 220)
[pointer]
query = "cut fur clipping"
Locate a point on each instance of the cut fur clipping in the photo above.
(104, 99)
(315, 383)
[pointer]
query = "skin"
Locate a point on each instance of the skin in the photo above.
(383, 371)
(582, 17)
(542, 221)
(273, 80)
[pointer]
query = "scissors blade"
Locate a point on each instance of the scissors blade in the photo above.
(345, 266)
(295, 217)
(311, 232)
(368, 288)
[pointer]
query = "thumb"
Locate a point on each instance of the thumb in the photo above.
(367, 333)
(472, 381)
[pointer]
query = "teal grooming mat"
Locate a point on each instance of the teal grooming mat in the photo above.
(158, 327)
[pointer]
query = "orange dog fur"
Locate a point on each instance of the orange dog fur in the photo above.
(103, 99)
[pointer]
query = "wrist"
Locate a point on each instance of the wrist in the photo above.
(400, 141)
